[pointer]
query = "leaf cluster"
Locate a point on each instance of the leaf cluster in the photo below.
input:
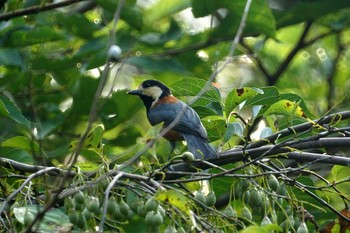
(77, 152)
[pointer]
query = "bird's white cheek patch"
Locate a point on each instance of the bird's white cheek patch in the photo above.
(154, 92)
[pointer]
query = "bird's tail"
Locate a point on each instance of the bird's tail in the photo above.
(199, 147)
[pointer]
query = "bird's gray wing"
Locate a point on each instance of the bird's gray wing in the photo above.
(189, 123)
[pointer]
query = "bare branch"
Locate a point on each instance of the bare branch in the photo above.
(255, 154)
(32, 176)
(105, 200)
(308, 192)
(301, 128)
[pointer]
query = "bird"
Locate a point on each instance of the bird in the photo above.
(162, 106)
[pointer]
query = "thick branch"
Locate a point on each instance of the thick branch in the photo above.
(300, 128)
(238, 154)
(23, 167)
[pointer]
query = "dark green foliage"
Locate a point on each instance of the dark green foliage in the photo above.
(289, 68)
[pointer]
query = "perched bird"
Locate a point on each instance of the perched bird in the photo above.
(162, 106)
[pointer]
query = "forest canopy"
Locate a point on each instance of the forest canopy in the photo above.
(269, 80)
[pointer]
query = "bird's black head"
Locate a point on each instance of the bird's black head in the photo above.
(150, 91)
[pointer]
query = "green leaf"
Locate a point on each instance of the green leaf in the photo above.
(339, 172)
(211, 109)
(114, 111)
(88, 165)
(308, 11)
(135, 225)
(11, 57)
(91, 46)
(208, 104)
(34, 35)
(131, 13)
(21, 142)
(83, 92)
(77, 24)
(272, 227)
(265, 132)
(193, 186)
(288, 104)
(201, 8)
(9, 109)
(92, 148)
(216, 127)
(259, 21)
(94, 138)
(53, 219)
(164, 8)
(337, 21)
(154, 38)
(297, 99)
(50, 126)
(17, 154)
(268, 96)
(154, 65)
(64, 68)
(192, 86)
(126, 137)
(238, 96)
(234, 128)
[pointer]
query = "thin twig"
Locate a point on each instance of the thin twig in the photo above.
(308, 192)
(32, 176)
(332, 118)
(36, 9)
(105, 201)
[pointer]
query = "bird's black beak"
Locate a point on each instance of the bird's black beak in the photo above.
(134, 92)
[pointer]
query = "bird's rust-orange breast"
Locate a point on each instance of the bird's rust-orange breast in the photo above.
(167, 100)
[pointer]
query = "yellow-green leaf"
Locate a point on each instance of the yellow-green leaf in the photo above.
(193, 186)
(92, 148)
(254, 229)
(287, 108)
(176, 199)
(163, 9)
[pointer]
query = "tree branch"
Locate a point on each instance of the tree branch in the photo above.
(272, 78)
(23, 167)
(283, 66)
(36, 9)
(332, 118)
(332, 73)
(32, 176)
(273, 151)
